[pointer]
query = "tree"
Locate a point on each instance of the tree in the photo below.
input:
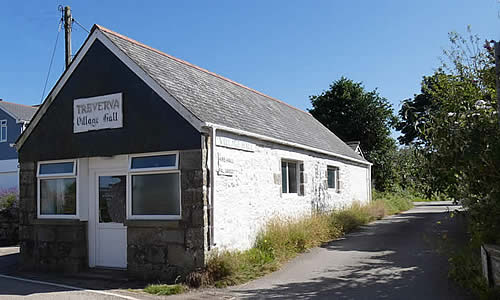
(355, 114)
(454, 123)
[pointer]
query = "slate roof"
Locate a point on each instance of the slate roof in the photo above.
(354, 145)
(19, 111)
(215, 99)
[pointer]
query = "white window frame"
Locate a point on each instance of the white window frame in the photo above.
(3, 123)
(131, 157)
(337, 174)
(297, 176)
(149, 171)
(73, 174)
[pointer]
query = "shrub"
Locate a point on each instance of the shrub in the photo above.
(9, 198)
(395, 202)
(165, 289)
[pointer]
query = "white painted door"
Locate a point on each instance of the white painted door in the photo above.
(111, 233)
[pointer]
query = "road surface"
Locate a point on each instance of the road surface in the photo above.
(399, 257)
(15, 287)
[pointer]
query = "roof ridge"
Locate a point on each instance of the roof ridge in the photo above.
(30, 106)
(194, 66)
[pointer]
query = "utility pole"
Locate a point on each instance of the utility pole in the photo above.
(497, 76)
(68, 22)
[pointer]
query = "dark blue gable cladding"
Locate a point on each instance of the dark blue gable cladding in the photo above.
(13, 132)
(149, 123)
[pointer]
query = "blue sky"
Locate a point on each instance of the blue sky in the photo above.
(286, 49)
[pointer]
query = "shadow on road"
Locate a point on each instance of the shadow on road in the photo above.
(402, 257)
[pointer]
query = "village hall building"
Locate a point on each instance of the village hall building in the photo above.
(140, 161)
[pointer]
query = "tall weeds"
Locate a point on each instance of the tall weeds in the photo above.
(284, 238)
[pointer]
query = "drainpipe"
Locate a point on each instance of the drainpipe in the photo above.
(213, 134)
(369, 178)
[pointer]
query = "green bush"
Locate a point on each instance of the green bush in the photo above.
(165, 289)
(395, 202)
(8, 198)
(284, 238)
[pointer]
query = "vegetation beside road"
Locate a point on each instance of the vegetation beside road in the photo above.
(283, 239)
(165, 289)
(452, 127)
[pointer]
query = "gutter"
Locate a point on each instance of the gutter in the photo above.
(281, 142)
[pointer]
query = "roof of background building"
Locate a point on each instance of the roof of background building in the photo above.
(18, 111)
(218, 100)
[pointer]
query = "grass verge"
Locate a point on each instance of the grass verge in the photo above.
(284, 238)
(165, 289)
(466, 270)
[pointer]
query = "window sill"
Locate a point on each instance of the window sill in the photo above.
(152, 223)
(51, 221)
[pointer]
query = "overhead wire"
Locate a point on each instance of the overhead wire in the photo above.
(51, 60)
(78, 23)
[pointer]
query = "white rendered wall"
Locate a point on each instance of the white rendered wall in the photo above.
(248, 187)
(9, 174)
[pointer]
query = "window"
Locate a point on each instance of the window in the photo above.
(289, 178)
(57, 189)
(155, 187)
(333, 177)
(3, 130)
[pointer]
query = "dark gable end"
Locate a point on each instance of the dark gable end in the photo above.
(149, 123)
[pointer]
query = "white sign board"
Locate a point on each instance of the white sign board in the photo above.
(234, 144)
(226, 165)
(96, 113)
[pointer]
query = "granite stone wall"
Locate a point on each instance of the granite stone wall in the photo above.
(47, 245)
(156, 249)
(168, 250)
(9, 227)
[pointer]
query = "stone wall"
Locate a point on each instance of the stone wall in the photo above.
(9, 227)
(47, 245)
(168, 249)
(248, 187)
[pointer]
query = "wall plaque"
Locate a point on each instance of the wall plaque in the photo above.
(225, 165)
(96, 113)
(234, 144)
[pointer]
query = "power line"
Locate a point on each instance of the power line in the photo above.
(51, 60)
(78, 23)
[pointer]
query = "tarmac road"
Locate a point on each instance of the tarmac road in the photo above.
(13, 287)
(399, 257)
